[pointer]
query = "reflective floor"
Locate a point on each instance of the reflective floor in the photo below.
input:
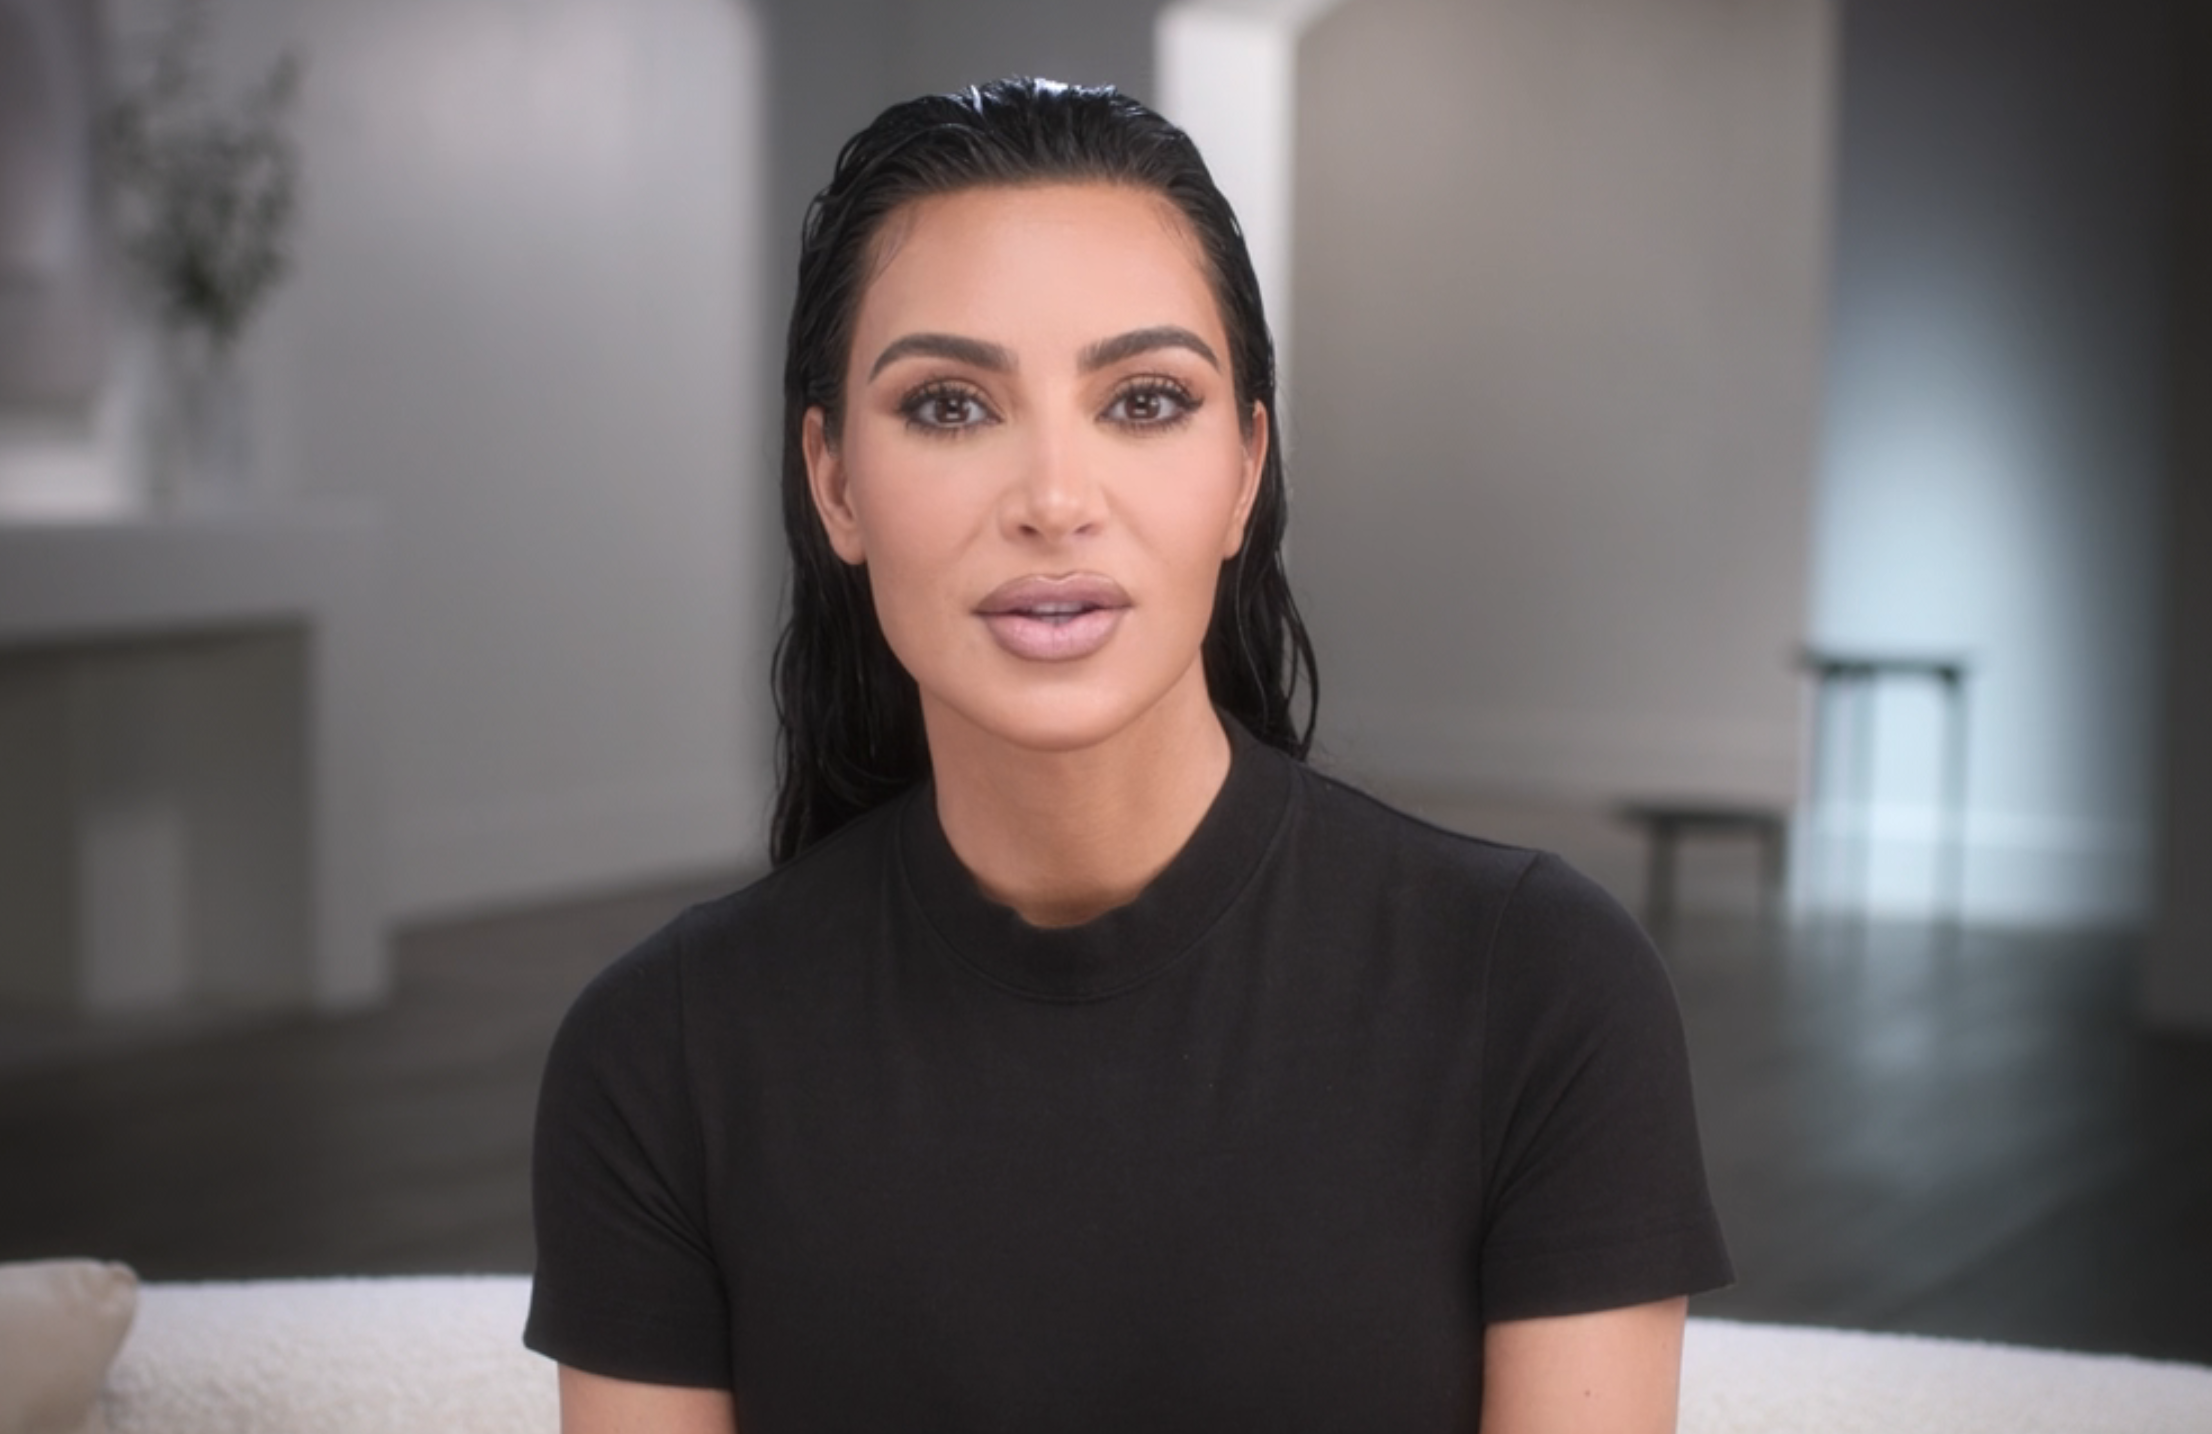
(1961, 1134)
(1965, 1136)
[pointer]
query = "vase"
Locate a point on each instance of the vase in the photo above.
(202, 458)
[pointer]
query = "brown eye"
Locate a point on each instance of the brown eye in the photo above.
(949, 411)
(944, 409)
(1151, 405)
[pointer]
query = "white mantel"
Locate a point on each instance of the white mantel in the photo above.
(189, 794)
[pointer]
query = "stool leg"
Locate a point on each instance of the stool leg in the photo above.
(1954, 798)
(1659, 876)
(1774, 850)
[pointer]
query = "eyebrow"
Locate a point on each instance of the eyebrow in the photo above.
(997, 358)
(1144, 341)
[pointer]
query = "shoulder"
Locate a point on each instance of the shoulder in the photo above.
(1534, 915)
(851, 865)
(1360, 835)
(760, 934)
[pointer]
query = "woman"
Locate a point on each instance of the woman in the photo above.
(1087, 1061)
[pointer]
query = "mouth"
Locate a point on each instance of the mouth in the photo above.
(1055, 613)
(1054, 599)
(1054, 619)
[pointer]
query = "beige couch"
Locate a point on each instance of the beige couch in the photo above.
(402, 1356)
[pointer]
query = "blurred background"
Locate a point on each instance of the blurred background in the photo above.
(1761, 450)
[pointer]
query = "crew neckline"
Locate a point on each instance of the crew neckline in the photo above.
(1127, 946)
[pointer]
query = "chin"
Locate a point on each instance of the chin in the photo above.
(1051, 716)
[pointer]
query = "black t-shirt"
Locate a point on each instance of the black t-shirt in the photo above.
(1264, 1148)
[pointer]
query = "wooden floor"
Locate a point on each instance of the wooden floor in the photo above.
(1960, 1136)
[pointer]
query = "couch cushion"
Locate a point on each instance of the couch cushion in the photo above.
(1777, 1379)
(399, 1356)
(349, 1356)
(61, 1322)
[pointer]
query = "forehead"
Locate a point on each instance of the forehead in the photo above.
(997, 262)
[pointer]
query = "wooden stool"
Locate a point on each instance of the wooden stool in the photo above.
(1665, 823)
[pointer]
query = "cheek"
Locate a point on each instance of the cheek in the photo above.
(889, 493)
(1196, 509)
(1182, 524)
(903, 588)
(914, 527)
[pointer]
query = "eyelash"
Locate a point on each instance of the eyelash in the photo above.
(1185, 402)
(917, 404)
(915, 408)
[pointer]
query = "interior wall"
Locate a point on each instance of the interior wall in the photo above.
(1228, 75)
(537, 325)
(837, 63)
(519, 329)
(535, 266)
(1559, 273)
(831, 72)
(1990, 474)
(945, 44)
(2178, 986)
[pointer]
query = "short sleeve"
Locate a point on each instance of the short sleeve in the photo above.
(1594, 1187)
(627, 1284)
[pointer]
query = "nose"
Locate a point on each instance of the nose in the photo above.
(1057, 494)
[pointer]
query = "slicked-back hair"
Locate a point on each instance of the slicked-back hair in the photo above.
(849, 717)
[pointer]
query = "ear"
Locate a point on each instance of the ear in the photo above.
(826, 480)
(1255, 463)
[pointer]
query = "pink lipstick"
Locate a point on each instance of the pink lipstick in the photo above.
(1054, 619)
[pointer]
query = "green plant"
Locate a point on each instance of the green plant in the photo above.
(206, 198)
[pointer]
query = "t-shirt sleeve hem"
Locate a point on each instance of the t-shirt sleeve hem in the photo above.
(1687, 1257)
(647, 1347)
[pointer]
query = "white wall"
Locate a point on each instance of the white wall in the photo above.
(522, 328)
(1990, 469)
(1559, 281)
(1229, 77)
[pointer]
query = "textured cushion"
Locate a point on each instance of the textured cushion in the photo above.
(416, 1355)
(400, 1356)
(61, 1322)
(1776, 1379)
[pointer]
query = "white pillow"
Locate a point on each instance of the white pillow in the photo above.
(61, 1322)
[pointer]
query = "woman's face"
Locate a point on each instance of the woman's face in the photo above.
(1041, 460)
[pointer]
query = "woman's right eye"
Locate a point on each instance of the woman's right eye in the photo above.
(943, 409)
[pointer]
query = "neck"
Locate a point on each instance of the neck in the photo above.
(1064, 836)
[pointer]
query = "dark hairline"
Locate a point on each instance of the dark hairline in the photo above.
(898, 221)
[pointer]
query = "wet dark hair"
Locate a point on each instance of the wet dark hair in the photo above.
(849, 717)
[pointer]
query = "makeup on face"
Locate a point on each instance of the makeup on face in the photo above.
(1040, 461)
(1054, 619)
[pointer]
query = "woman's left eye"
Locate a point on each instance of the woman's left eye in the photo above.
(1151, 405)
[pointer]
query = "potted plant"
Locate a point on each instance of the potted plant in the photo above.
(206, 201)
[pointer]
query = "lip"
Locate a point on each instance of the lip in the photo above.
(1054, 618)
